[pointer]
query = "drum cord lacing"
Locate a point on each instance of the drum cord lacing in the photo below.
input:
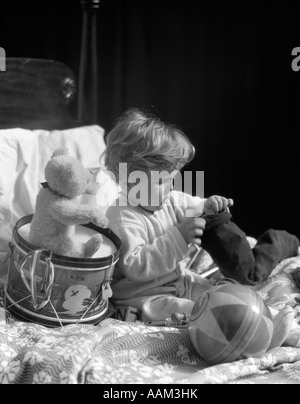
(48, 282)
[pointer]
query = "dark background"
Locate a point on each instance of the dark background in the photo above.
(219, 70)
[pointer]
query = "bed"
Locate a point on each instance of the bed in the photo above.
(34, 119)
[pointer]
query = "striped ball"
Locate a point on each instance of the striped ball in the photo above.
(230, 322)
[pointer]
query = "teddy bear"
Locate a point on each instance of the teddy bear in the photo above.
(59, 209)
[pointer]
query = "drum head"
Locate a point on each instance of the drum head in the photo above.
(83, 233)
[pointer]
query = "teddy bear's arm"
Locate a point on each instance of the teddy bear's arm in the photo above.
(70, 213)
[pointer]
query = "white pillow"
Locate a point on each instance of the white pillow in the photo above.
(23, 157)
(85, 143)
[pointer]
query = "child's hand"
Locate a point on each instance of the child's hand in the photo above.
(192, 230)
(216, 204)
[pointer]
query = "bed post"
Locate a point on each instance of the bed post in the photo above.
(88, 89)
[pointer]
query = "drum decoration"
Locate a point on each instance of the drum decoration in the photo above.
(53, 290)
(230, 322)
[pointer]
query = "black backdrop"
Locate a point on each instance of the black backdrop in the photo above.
(220, 70)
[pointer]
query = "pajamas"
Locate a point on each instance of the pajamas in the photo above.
(178, 296)
(150, 274)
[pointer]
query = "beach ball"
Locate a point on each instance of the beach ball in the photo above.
(230, 322)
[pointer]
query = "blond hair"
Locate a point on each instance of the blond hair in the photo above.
(147, 144)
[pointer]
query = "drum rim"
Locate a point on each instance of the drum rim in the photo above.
(72, 261)
(38, 318)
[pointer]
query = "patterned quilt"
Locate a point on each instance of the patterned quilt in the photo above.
(116, 352)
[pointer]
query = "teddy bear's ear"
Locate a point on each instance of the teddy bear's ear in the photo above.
(60, 152)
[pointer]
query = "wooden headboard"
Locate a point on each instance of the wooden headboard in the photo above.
(36, 93)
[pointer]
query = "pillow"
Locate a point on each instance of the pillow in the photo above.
(85, 143)
(23, 157)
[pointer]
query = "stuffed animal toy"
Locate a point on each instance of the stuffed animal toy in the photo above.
(228, 246)
(230, 250)
(58, 209)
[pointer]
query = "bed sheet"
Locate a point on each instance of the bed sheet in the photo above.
(116, 352)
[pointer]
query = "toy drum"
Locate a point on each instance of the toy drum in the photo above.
(54, 290)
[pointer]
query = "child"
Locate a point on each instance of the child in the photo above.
(155, 228)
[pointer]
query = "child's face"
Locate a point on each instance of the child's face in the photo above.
(159, 186)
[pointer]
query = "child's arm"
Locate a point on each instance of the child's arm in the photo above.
(190, 206)
(141, 260)
(186, 205)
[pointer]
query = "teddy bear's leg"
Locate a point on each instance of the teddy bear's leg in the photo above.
(92, 245)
